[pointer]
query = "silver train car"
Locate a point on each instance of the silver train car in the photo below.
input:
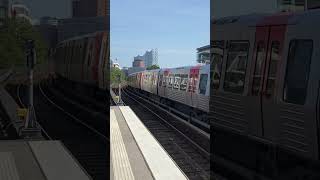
(185, 88)
(265, 89)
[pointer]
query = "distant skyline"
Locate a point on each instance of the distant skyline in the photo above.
(175, 27)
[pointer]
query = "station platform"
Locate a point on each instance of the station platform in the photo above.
(40, 160)
(135, 153)
(10, 106)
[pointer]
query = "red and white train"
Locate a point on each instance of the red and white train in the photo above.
(266, 85)
(185, 88)
(84, 61)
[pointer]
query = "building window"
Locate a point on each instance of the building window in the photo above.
(236, 66)
(203, 83)
(217, 53)
(297, 74)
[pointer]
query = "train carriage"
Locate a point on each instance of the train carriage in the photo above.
(265, 85)
(185, 88)
(82, 61)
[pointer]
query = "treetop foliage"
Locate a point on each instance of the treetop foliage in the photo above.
(13, 34)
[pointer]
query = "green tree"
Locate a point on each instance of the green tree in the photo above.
(12, 43)
(115, 74)
(155, 66)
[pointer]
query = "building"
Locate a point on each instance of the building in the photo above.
(5, 10)
(20, 10)
(312, 4)
(150, 58)
(125, 71)
(90, 8)
(48, 28)
(138, 63)
(53, 21)
(72, 27)
(203, 54)
(116, 65)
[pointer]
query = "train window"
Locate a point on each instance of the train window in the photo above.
(297, 74)
(257, 76)
(217, 52)
(236, 66)
(184, 82)
(272, 72)
(177, 80)
(203, 83)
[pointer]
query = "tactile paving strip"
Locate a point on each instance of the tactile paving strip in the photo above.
(120, 161)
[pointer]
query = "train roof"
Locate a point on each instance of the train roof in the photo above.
(81, 37)
(163, 69)
(282, 18)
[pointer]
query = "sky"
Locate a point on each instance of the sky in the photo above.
(175, 27)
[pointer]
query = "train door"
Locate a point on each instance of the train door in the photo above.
(165, 83)
(270, 83)
(268, 51)
(203, 94)
(193, 84)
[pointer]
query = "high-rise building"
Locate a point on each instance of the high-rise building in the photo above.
(203, 54)
(138, 63)
(311, 4)
(150, 58)
(90, 8)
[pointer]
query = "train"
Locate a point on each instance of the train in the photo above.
(264, 96)
(184, 88)
(82, 63)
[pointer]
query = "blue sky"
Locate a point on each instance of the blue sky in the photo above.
(175, 27)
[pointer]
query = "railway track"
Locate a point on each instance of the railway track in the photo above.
(88, 145)
(190, 157)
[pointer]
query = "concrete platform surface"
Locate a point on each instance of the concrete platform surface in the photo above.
(38, 160)
(135, 153)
